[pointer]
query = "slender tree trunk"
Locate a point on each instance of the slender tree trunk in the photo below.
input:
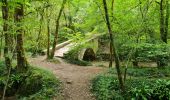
(111, 55)
(166, 20)
(57, 29)
(162, 23)
(65, 17)
(5, 30)
(48, 38)
(112, 10)
(1, 39)
(21, 60)
(112, 45)
(40, 31)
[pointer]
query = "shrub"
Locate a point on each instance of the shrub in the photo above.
(146, 52)
(156, 90)
(145, 72)
(149, 72)
(39, 84)
(105, 87)
(36, 84)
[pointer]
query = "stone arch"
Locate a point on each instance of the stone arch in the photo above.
(89, 55)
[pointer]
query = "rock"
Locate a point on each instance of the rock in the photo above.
(69, 82)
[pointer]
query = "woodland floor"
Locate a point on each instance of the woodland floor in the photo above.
(75, 79)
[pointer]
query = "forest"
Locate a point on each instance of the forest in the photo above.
(84, 50)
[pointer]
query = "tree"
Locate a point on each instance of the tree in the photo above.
(162, 25)
(113, 47)
(41, 12)
(21, 60)
(7, 44)
(48, 31)
(57, 30)
(164, 19)
(6, 33)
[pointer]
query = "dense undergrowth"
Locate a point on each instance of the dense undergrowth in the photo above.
(36, 84)
(153, 72)
(139, 86)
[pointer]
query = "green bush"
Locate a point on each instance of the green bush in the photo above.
(105, 87)
(149, 72)
(36, 84)
(39, 84)
(145, 72)
(156, 90)
(146, 52)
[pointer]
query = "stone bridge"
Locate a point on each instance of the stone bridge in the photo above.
(88, 50)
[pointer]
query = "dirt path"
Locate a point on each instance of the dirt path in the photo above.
(76, 79)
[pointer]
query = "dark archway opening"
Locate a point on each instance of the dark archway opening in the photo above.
(89, 55)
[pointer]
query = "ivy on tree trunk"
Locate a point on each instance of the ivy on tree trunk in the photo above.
(6, 33)
(21, 60)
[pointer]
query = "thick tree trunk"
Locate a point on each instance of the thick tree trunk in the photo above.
(7, 43)
(7, 36)
(162, 23)
(21, 60)
(113, 48)
(57, 29)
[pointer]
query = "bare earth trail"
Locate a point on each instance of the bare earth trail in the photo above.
(76, 79)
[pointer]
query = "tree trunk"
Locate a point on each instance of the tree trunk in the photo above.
(1, 39)
(166, 20)
(5, 30)
(21, 60)
(48, 38)
(111, 42)
(65, 17)
(39, 32)
(7, 43)
(57, 29)
(162, 24)
(111, 54)
(112, 45)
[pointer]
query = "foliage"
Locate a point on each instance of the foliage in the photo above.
(149, 72)
(158, 90)
(105, 87)
(35, 84)
(146, 72)
(146, 52)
